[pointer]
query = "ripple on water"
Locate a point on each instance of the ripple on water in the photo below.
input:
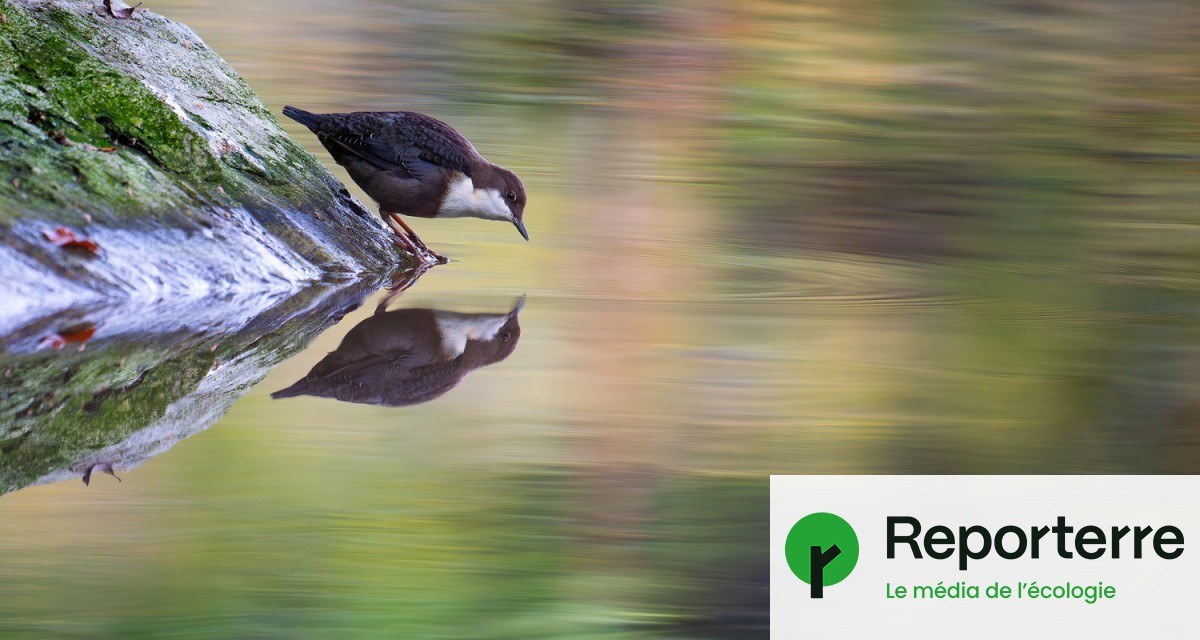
(833, 278)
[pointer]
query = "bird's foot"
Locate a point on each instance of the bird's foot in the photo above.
(433, 256)
(417, 249)
(406, 245)
(410, 242)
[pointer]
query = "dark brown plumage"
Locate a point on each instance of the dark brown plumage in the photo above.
(409, 356)
(412, 164)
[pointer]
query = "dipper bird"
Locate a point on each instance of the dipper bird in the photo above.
(415, 165)
(409, 356)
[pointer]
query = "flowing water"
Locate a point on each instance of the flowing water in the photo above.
(767, 237)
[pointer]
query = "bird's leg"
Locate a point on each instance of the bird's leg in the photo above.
(401, 239)
(412, 236)
(409, 242)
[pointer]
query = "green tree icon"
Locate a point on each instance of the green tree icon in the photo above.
(821, 549)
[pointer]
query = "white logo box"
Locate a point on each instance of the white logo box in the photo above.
(1153, 596)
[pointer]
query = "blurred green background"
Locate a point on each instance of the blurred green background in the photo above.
(767, 237)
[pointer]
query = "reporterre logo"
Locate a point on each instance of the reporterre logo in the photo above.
(821, 549)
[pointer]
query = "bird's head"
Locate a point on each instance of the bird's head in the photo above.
(511, 191)
(503, 340)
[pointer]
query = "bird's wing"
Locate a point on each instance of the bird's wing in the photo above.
(411, 142)
(433, 140)
(354, 369)
(400, 354)
(370, 148)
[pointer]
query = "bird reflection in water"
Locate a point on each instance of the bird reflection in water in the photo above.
(409, 356)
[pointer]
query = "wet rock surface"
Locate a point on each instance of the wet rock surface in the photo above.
(135, 135)
(124, 383)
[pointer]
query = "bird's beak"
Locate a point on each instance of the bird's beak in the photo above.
(520, 304)
(521, 227)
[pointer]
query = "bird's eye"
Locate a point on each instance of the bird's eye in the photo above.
(506, 336)
(511, 196)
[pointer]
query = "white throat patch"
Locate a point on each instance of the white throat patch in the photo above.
(463, 200)
(457, 328)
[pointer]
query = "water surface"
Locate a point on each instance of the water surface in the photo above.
(766, 238)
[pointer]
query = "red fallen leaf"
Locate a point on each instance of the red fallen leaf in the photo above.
(77, 334)
(59, 236)
(122, 11)
(64, 237)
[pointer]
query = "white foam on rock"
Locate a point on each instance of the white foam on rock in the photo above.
(237, 268)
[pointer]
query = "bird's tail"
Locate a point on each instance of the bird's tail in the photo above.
(298, 389)
(310, 120)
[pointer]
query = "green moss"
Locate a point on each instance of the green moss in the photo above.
(116, 119)
(82, 132)
(58, 407)
(59, 106)
(87, 401)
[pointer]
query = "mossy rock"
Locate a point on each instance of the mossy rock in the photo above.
(138, 388)
(136, 134)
